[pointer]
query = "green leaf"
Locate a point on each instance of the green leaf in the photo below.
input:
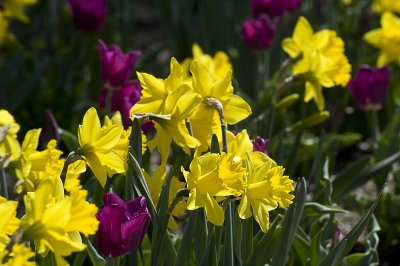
(95, 257)
(368, 174)
(185, 247)
(69, 139)
(316, 209)
(302, 246)
(342, 179)
(344, 246)
(264, 245)
(290, 224)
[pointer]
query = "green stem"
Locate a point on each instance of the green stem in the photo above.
(3, 180)
(71, 158)
(374, 120)
(98, 194)
(113, 261)
(79, 259)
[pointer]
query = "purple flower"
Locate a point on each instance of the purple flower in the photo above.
(369, 87)
(260, 144)
(258, 33)
(273, 8)
(116, 67)
(123, 99)
(88, 15)
(122, 225)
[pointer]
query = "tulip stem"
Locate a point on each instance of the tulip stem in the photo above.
(113, 261)
(3, 180)
(374, 120)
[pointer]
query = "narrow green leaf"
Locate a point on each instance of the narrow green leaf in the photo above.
(302, 246)
(264, 245)
(316, 209)
(135, 140)
(185, 247)
(342, 179)
(69, 139)
(247, 239)
(290, 224)
(368, 174)
(95, 257)
(344, 246)
(201, 237)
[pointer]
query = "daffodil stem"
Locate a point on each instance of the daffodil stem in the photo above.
(113, 261)
(98, 194)
(71, 158)
(190, 130)
(224, 136)
(110, 92)
(3, 180)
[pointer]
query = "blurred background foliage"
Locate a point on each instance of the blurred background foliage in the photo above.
(52, 65)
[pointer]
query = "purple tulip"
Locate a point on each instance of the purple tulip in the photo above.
(258, 34)
(122, 225)
(369, 87)
(273, 8)
(123, 99)
(88, 15)
(260, 144)
(116, 67)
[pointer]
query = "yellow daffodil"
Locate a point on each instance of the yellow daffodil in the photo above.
(101, 147)
(213, 175)
(218, 66)
(15, 8)
(155, 91)
(239, 145)
(319, 59)
(214, 95)
(8, 222)
(267, 188)
(387, 39)
(8, 135)
(381, 6)
(20, 255)
(5, 35)
(35, 165)
(53, 222)
(116, 119)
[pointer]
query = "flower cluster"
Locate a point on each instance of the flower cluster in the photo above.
(318, 58)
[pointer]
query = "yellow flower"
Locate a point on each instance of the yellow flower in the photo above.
(319, 58)
(20, 256)
(35, 165)
(101, 147)
(8, 222)
(267, 188)
(239, 145)
(53, 222)
(218, 66)
(214, 94)
(155, 91)
(381, 6)
(15, 8)
(116, 119)
(387, 39)
(5, 36)
(8, 135)
(213, 175)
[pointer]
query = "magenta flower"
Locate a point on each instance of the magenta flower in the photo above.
(88, 15)
(116, 67)
(260, 144)
(258, 33)
(123, 99)
(369, 87)
(122, 225)
(273, 8)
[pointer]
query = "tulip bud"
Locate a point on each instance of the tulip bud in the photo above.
(116, 67)
(88, 15)
(369, 87)
(258, 33)
(122, 225)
